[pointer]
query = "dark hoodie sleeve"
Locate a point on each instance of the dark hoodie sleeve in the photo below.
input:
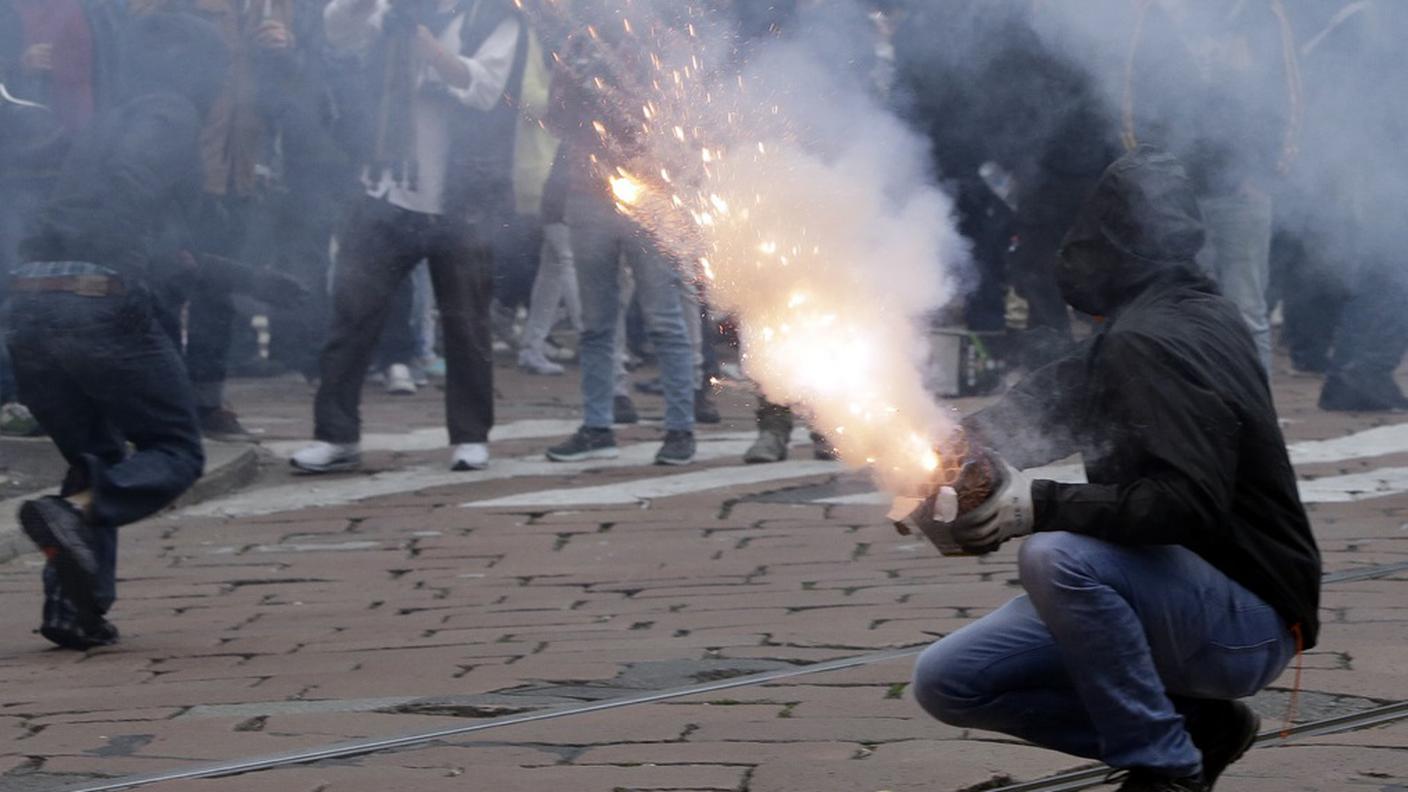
(1180, 435)
(1038, 420)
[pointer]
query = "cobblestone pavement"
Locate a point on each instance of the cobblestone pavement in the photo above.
(404, 598)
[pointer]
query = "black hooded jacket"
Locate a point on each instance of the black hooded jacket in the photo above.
(137, 166)
(1167, 404)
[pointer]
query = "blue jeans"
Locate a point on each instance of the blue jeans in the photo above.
(601, 239)
(1096, 657)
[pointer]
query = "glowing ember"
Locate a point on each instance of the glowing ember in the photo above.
(626, 189)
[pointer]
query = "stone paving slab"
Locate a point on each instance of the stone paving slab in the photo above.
(262, 634)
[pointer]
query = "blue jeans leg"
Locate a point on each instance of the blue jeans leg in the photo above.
(1085, 663)
(658, 292)
(596, 246)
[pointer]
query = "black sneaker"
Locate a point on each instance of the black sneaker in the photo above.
(822, 449)
(678, 448)
(68, 625)
(1342, 393)
(221, 423)
(705, 410)
(66, 539)
(1223, 731)
(1149, 781)
(587, 443)
(625, 410)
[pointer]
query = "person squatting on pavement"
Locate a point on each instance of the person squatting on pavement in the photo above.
(437, 173)
(92, 358)
(1184, 576)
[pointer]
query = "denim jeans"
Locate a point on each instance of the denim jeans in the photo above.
(1238, 256)
(99, 373)
(601, 239)
(1106, 649)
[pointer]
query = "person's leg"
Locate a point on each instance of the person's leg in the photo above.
(462, 272)
(658, 292)
(211, 311)
(397, 342)
(549, 288)
(374, 258)
(1003, 673)
(1136, 624)
(596, 247)
(690, 311)
(1238, 254)
(1370, 343)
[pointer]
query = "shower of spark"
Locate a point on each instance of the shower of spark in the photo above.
(829, 262)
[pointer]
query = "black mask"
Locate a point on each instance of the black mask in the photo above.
(1089, 275)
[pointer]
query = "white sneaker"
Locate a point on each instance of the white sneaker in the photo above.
(470, 456)
(533, 362)
(399, 381)
(327, 457)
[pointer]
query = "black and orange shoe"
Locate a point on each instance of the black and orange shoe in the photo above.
(66, 539)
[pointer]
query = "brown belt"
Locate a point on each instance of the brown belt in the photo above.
(82, 285)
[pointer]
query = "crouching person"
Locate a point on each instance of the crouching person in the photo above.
(1184, 576)
(91, 359)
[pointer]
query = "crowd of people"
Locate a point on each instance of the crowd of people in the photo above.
(403, 188)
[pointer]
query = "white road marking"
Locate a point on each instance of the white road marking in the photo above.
(1355, 486)
(1379, 441)
(642, 490)
(433, 437)
(311, 491)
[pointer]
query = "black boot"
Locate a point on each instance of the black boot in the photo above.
(1222, 730)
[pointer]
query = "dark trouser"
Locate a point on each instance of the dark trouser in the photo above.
(210, 324)
(1373, 331)
(99, 373)
(1313, 295)
(382, 247)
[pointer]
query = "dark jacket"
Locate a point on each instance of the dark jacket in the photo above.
(136, 169)
(1167, 404)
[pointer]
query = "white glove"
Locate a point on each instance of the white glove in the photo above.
(557, 242)
(1007, 514)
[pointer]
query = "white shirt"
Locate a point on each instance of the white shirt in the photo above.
(489, 69)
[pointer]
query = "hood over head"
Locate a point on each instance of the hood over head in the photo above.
(1141, 220)
(173, 52)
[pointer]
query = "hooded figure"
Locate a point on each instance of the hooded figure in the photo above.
(1183, 575)
(92, 362)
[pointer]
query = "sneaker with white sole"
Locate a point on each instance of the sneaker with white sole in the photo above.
(399, 381)
(587, 443)
(324, 457)
(470, 456)
(534, 362)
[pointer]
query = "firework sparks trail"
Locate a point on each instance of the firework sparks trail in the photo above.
(829, 258)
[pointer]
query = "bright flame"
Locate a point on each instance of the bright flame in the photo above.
(626, 189)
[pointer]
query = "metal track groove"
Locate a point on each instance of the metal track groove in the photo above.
(1065, 782)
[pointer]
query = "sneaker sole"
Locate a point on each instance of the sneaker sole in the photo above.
(671, 462)
(465, 467)
(599, 453)
(335, 467)
(78, 579)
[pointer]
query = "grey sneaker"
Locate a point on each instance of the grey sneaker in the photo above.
(705, 410)
(678, 448)
(771, 446)
(587, 443)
